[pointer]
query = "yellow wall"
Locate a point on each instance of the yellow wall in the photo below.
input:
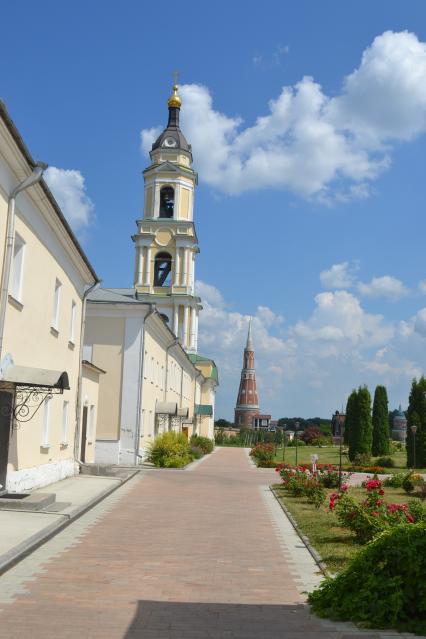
(31, 341)
(107, 336)
(90, 399)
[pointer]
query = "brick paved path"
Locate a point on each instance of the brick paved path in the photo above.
(172, 554)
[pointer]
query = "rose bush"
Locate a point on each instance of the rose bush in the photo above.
(369, 517)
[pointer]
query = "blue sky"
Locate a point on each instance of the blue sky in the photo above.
(82, 80)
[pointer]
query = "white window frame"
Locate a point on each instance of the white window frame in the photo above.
(72, 322)
(56, 305)
(18, 259)
(65, 416)
(46, 423)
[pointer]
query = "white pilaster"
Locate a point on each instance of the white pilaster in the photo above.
(185, 326)
(192, 330)
(148, 266)
(193, 274)
(176, 319)
(185, 267)
(177, 267)
(176, 212)
(196, 332)
(139, 278)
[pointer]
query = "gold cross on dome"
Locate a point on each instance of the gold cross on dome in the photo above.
(175, 77)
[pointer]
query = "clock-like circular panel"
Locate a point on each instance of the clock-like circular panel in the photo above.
(170, 143)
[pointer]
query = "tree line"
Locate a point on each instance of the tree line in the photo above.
(367, 429)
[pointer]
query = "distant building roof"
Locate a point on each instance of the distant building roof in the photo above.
(114, 296)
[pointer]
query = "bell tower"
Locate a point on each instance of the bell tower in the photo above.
(166, 242)
(247, 405)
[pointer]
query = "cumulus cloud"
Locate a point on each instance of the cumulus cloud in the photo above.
(420, 322)
(314, 362)
(68, 187)
(339, 275)
(386, 286)
(329, 148)
(339, 317)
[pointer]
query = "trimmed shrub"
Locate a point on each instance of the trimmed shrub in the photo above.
(196, 452)
(170, 450)
(386, 462)
(206, 444)
(395, 481)
(268, 463)
(300, 442)
(384, 586)
(263, 452)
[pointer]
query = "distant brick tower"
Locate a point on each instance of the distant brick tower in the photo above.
(247, 401)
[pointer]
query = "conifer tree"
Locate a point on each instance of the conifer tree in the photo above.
(416, 415)
(380, 422)
(361, 435)
(350, 422)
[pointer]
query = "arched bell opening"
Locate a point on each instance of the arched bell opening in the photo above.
(163, 269)
(167, 201)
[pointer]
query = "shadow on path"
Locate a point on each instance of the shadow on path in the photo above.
(177, 620)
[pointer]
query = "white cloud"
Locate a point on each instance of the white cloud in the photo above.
(310, 367)
(339, 275)
(386, 286)
(68, 187)
(339, 317)
(209, 293)
(265, 62)
(422, 287)
(314, 145)
(420, 322)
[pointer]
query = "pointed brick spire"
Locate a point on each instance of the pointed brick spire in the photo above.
(247, 401)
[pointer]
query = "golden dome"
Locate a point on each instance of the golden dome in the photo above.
(174, 100)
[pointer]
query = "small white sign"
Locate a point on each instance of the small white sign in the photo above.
(314, 459)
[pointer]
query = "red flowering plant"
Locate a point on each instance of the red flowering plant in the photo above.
(373, 514)
(263, 452)
(301, 481)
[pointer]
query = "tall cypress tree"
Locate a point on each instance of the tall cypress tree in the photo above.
(380, 422)
(362, 437)
(416, 415)
(350, 422)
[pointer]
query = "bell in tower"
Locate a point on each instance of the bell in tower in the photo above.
(166, 243)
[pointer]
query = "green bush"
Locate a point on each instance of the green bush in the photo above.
(196, 452)
(384, 586)
(385, 462)
(268, 463)
(263, 452)
(395, 480)
(170, 450)
(204, 443)
(300, 442)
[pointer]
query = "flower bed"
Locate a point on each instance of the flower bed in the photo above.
(305, 481)
(373, 515)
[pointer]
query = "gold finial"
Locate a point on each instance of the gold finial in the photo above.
(174, 100)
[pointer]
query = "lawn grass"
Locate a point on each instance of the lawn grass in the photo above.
(335, 544)
(330, 455)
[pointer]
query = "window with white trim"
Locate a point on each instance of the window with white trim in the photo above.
(72, 322)
(64, 435)
(17, 268)
(46, 423)
(56, 304)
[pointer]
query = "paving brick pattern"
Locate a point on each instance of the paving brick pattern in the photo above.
(172, 554)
